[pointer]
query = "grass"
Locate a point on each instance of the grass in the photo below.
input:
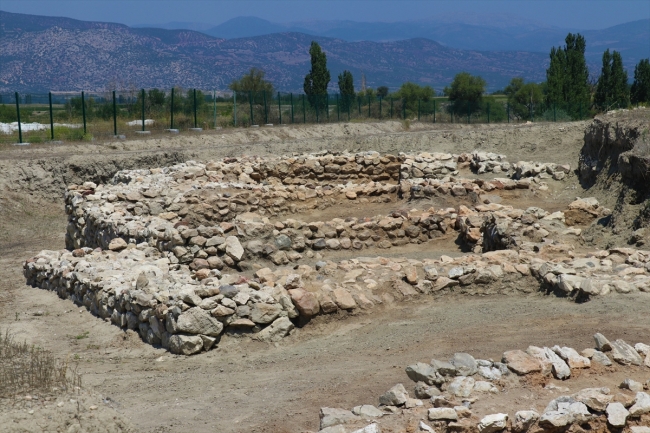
(28, 369)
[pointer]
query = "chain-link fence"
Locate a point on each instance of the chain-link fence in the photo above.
(40, 117)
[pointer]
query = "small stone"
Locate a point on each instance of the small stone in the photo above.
(396, 396)
(372, 428)
(422, 390)
(279, 329)
(343, 299)
(625, 354)
(305, 302)
(641, 405)
(632, 385)
(602, 343)
(117, 244)
(332, 416)
(596, 399)
(521, 363)
(185, 344)
(553, 419)
(601, 358)
(444, 368)
(422, 372)
(617, 414)
(493, 423)
(233, 248)
(465, 364)
(367, 410)
(425, 427)
(461, 386)
(572, 357)
(524, 419)
(442, 414)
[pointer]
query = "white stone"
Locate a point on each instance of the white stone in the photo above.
(617, 414)
(442, 414)
(641, 404)
(493, 423)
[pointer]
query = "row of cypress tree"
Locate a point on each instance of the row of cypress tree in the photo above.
(567, 79)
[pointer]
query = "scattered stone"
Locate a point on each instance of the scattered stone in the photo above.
(602, 343)
(601, 358)
(333, 416)
(117, 244)
(442, 414)
(641, 405)
(616, 414)
(465, 364)
(185, 344)
(625, 354)
(521, 363)
(524, 419)
(632, 385)
(367, 410)
(396, 396)
(422, 372)
(493, 423)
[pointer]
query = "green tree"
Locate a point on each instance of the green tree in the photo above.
(346, 88)
(568, 77)
(465, 93)
(382, 91)
(524, 98)
(254, 84)
(612, 90)
(318, 78)
(640, 91)
(410, 93)
(603, 86)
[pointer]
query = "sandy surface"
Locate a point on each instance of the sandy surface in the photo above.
(246, 386)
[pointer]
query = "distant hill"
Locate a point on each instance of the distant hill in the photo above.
(500, 34)
(45, 53)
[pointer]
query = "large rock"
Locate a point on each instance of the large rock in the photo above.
(617, 414)
(185, 344)
(372, 428)
(641, 404)
(521, 363)
(396, 396)
(276, 330)
(343, 299)
(234, 249)
(422, 372)
(625, 354)
(493, 423)
(554, 419)
(465, 364)
(332, 416)
(265, 313)
(601, 358)
(305, 302)
(198, 321)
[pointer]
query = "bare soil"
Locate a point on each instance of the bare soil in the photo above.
(247, 386)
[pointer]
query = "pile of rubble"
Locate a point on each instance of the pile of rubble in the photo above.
(445, 392)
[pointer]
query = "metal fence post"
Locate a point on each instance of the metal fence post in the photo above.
(114, 115)
(171, 123)
(266, 114)
(143, 95)
(554, 114)
(195, 122)
(280, 108)
(369, 115)
(83, 109)
(51, 118)
(20, 128)
(250, 102)
(338, 109)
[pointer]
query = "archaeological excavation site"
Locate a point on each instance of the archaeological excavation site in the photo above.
(347, 278)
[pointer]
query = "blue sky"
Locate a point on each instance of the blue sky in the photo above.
(570, 14)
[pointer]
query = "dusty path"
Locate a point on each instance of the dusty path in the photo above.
(252, 387)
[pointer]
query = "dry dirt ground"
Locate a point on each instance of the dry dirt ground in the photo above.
(247, 386)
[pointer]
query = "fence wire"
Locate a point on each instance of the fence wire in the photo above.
(86, 116)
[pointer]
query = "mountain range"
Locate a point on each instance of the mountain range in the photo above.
(39, 53)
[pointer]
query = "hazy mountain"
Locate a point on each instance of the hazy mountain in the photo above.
(49, 53)
(504, 33)
(177, 25)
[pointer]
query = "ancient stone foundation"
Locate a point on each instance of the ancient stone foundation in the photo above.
(187, 253)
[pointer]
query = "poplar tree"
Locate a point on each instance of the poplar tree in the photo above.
(612, 90)
(620, 88)
(568, 76)
(640, 91)
(318, 78)
(346, 88)
(603, 87)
